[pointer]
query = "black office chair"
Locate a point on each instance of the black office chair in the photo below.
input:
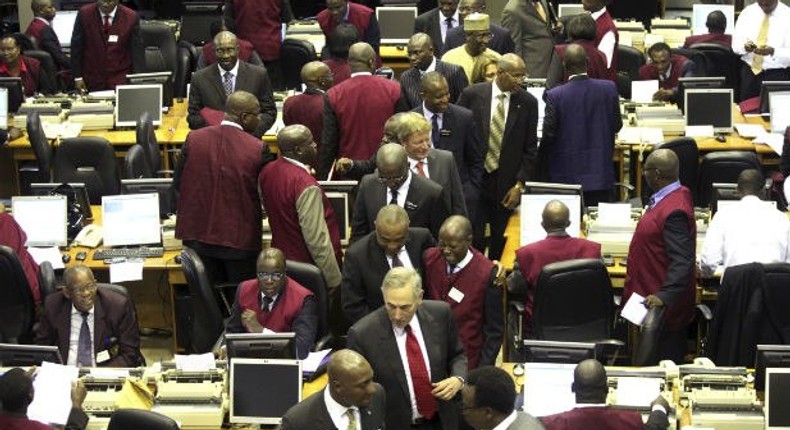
(514, 322)
(185, 65)
(688, 155)
(206, 317)
(145, 136)
(135, 419)
(623, 82)
(47, 283)
(48, 82)
(160, 44)
(41, 146)
(698, 57)
(294, 55)
(310, 277)
(16, 300)
(723, 167)
(646, 350)
(721, 61)
(630, 60)
(135, 165)
(24, 41)
(777, 296)
(90, 160)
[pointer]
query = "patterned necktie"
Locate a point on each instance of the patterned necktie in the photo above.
(352, 419)
(762, 39)
(394, 199)
(541, 11)
(426, 403)
(107, 24)
(396, 261)
(495, 135)
(228, 83)
(420, 168)
(449, 21)
(266, 306)
(435, 130)
(85, 345)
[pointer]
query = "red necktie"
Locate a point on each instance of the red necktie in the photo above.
(420, 170)
(107, 24)
(426, 403)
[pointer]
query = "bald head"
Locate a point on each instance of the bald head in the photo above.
(292, 136)
(240, 102)
(224, 37)
(556, 217)
(391, 156)
(350, 379)
(43, 8)
(361, 58)
(344, 362)
(510, 62)
(751, 183)
(575, 59)
(315, 74)
(392, 215)
(667, 161)
(421, 40)
(457, 226)
(589, 382)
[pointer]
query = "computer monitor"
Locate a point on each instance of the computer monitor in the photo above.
(16, 94)
(3, 109)
(76, 190)
(341, 195)
(780, 111)
(769, 356)
(709, 107)
(700, 16)
(777, 392)
(63, 25)
(396, 24)
(131, 219)
(722, 192)
(160, 186)
(132, 100)
(534, 198)
(13, 355)
(164, 79)
(43, 219)
(766, 89)
(697, 83)
(564, 10)
(544, 351)
(261, 345)
(249, 403)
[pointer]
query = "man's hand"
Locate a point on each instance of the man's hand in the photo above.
(78, 393)
(500, 279)
(250, 321)
(447, 388)
(749, 46)
(652, 301)
(663, 95)
(343, 165)
(80, 86)
(764, 50)
(512, 197)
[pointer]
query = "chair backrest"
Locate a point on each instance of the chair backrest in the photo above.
(40, 144)
(623, 82)
(295, 54)
(721, 61)
(90, 160)
(206, 318)
(145, 136)
(646, 352)
(16, 300)
(588, 317)
(698, 57)
(688, 155)
(135, 165)
(48, 83)
(723, 167)
(159, 43)
(136, 419)
(24, 41)
(47, 284)
(630, 60)
(185, 65)
(309, 276)
(777, 296)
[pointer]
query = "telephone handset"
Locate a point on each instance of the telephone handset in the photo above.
(91, 236)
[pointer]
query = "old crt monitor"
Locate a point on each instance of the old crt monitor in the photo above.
(780, 111)
(697, 83)
(261, 345)
(160, 186)
(132, 100)
(63, 25)
(766, 89)
(16, 94)
(262, 390)
(165, 79)
(396, 24)
(75, 190)
(769, 356)
(13, 355)
(544, 351)
(722, 192)
(341, 195)
(709, 107)
(777, 394)
(131, 219)
(43, 218)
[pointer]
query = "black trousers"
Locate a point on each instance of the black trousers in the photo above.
(225, 264)
(751, 83)
(490, 211)
(274, 68)
(672, 345)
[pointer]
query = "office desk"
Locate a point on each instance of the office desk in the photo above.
(395, 57)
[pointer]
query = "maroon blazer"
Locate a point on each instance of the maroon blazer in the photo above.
(596, 60)
(114, 327)
(100, 63)
(603, 25)
(306, 109)
(259, 22)
(340, 70)
(717, 38)
(30, 72)
(650, 72)
(12, 235)
(598, 418)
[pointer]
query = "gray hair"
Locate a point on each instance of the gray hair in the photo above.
(400, 277)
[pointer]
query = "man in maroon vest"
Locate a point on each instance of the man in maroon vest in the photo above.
(308, 108)
(273, 302)
(581, 31)
(591, 388)
(105, 45)
(661, 254)
(12, 236)
(606, 35)
(717, 24)
(219, 212)
(356, 110)
(40, 29)
(667, 68)
(460, 275)
(302, 219)
(557, 246)
(361, 17)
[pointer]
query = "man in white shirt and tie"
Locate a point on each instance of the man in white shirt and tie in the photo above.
(762, 39)
(437, 22)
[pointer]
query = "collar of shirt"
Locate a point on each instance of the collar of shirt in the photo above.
(495, 91)
(355, 74)
(429, 114)
(413, 165)
(297, 163)
(660, 194)
(234, 71)
(751, 200)
(504, 424)
(337, 412)
(431, 67)
(591, 405)
(464, 261)
(577, 75)
(22, 67)
(112, 15)
(78, 312)
(44, 20)
(665, 76)
(456, 20)
(274, 300)
(231, 124)
(414, 323)
(598, 14)
(403, 190)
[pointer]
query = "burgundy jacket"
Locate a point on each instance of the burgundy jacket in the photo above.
(340, 70)
(598, 418)
(650, 72)
(281, 317)
(306, 109)
(12, 235)
(596, 60)
(603, 25)
(259, 22)
(30, 72)
(717, 38)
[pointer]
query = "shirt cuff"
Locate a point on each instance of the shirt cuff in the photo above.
(658, 407)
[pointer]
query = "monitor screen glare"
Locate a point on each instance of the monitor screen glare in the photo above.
(710, 107)
(250, 403)
(43, 218)
(133, 100)
(131, 219)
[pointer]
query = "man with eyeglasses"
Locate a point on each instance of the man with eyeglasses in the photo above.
(212, 85)
(488, 399)
(308, 108)
(500, 37)
(478, 36)
(91, 326)
(274, 303)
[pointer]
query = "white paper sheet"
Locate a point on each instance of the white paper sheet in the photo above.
(637, 391)
(635, 310)
(51, 254)
(614, 214)
(774, 140)
(195, 362)
(639, 135)
(130, 270)
(700, 131)
(314, 359)
(750, 130)
(642, 91)
(109, 372)
(547, 388)
(52, 400)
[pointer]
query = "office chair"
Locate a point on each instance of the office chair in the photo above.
(699, 59)
(47, 284)
(777, 295)
(135, 165)
(646, 350)
(206, 317)
(630, 60)
(514, 322)
(41, 146)
(24, 41)
(145, 136)
(135, 419)
(310, 277)
(721, 61)
(186, 57)
(723, 167)
(90, 160)
(159, 43)
(688, 155)
(16, 300)
(295, 54)
(48, 82)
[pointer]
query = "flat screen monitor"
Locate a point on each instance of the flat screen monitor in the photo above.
(534, 198)
(132, 100)
(77, 190)
(697, 83)
(700, 16)
(396, 24)
(544, 351)
(709, 107)
(3, 109)
(13, 355)
(766, 89)
(131, 219)
(780, 111)
(261, 345)
(63, 25)
(341, 195)
(43, 219)
(250, 403)
(16, 94)
(164, 79)
(777, 393)
(769, 356)
(722, 192)
(564, 10)
(160, 186)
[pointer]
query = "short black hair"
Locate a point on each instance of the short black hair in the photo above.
(582, 27)
(341, 39)
(657, 47)
(716, 21)
(494, 388)
(15, 387)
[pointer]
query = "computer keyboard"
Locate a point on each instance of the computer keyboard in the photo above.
(141, 252)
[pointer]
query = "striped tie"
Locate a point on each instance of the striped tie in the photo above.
(495, 136)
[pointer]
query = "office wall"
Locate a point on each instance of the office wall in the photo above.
(25, 14)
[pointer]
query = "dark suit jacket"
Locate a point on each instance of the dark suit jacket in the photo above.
(410, 82)
(442, 170)
(207, 91)
(374, 338)
(365, 266)
(604, 419)
(114, 324)
(501, 42)
(425, 204)
(311, 413)
(48, 41)
(517, 159)
(532, 36)
(430, 24)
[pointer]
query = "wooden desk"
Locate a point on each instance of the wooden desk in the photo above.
(396, 58)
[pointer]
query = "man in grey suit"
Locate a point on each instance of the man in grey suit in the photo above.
(394, 183)
(409, 333)
(488, 399)
(438, 22)
(368, 260)
(422, 59)
(212, 85)
(531, 24)
(350, 398)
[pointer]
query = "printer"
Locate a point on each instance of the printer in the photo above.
(196, 399)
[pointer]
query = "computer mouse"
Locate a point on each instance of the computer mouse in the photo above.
(66, 258)
(81, 256)
(177, 259)
(721, 138)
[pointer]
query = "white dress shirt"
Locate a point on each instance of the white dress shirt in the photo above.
(74, 335)
(403, 190)
(443, 23)
(429, 116)
(495, 92)
(608, 41)
(461, 264)
(747, 28)
(400, 339)
(431, 67)
(111, 14)
(234, 73)
(750, 231)
(403, 256)
(413, 166)
(337, 412)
